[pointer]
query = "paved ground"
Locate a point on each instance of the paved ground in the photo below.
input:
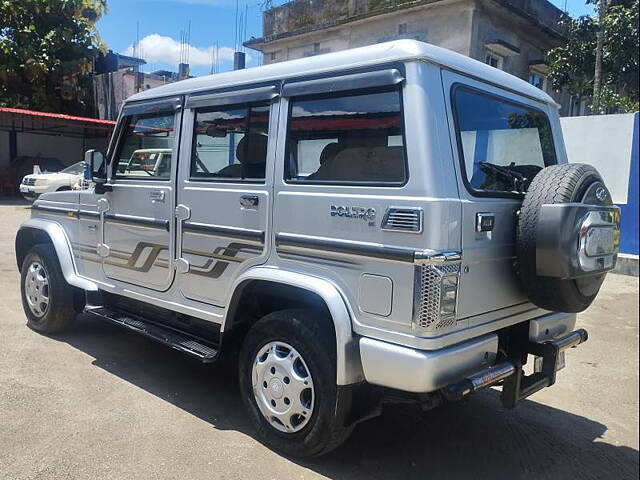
(100, 403)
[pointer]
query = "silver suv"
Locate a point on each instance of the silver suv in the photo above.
(390, 222)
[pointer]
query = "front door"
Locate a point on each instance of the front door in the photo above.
(224, 190)
(137, 244)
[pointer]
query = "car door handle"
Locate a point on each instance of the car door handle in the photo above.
(249, 201)
(157, 196)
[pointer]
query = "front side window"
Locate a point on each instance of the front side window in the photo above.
(230, 144)
(352, 139)
(503, 144)
(146, 146)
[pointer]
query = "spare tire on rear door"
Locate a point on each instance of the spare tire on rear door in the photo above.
(567, 237)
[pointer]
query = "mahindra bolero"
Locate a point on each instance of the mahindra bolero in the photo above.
(394, 221)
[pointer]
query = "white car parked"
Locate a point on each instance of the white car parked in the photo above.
(36, 184)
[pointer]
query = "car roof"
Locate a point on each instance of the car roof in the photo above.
(396, 51)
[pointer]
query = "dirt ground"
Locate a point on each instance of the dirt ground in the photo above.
(98, 402)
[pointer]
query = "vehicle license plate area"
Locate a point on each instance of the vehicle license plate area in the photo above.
(560, 363)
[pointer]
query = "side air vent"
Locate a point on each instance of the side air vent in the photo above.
(402, 219)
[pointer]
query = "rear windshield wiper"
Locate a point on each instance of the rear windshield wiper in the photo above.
(512, 177)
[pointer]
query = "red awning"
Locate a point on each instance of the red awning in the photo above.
(59, 116)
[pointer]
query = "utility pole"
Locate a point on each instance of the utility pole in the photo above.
(597, 76)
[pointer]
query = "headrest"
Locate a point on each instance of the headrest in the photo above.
(329, 151)
(257, 151)
(377, 164)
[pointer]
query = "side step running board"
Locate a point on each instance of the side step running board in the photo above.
(186, 343)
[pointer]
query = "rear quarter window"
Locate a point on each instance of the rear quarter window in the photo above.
(502, 144)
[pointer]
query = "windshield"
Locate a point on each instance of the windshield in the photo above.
(75, 169)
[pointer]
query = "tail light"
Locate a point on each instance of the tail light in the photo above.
(435, 297)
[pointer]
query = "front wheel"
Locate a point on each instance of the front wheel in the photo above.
(288, 384)
(47, 299)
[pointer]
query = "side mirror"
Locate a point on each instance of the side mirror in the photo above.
(97, 170)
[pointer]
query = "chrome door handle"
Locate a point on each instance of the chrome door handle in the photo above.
(157, 196)
(249, 201)
(182, 213)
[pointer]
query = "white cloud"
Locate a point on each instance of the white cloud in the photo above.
(157, 48)
(298, 111)
(199, 2)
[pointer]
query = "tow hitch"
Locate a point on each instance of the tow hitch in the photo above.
(517, 386)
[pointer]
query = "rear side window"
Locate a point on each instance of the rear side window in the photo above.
(347, 139)
(230, 143)
(503, 145)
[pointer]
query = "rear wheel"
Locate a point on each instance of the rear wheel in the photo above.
(47, 298)
(287, 373)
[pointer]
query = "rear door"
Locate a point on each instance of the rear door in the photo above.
(137, 244)
(500, 141)
(224, 189)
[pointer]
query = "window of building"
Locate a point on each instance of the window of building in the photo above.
(145, 147)
(272, 56)
(503, 144)
(493, 59)
(350, 139)
(230, 144)
(538, 80)
(316, 48)
(402, 29)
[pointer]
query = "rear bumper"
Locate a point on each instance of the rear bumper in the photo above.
(516, 386)
(422, 371)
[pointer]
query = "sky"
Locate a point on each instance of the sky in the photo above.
(162, 21)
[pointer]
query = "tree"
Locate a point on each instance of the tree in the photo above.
(47, 48)
(597, 74)
(573, 65)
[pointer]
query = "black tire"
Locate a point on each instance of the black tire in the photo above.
(59, 313)
(556, 184)
(309, 335)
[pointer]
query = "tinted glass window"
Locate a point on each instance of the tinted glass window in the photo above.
(504, 145)
(230, 144)
(145, 149)
(347, 139)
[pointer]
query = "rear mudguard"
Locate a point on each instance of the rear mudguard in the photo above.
(348, 364)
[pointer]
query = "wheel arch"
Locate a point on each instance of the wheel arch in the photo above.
(348, 365)
(35, 231)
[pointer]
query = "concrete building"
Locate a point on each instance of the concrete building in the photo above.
(513, 35)
(118, 77)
